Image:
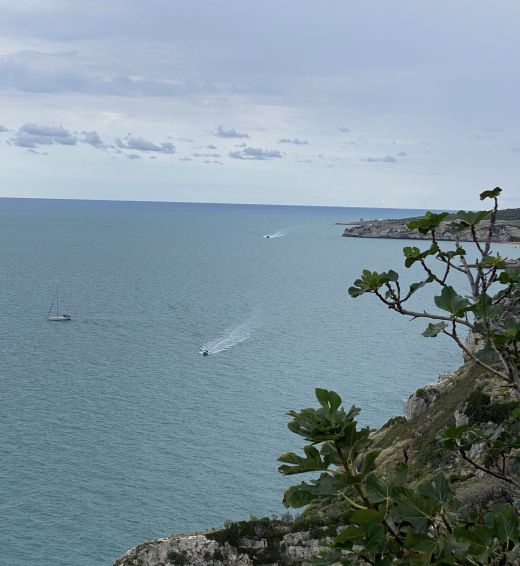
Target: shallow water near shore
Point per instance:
(115, 429)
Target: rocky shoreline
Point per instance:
(505, 231)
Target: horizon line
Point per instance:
(213, 203)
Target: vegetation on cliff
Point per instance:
(412, 514)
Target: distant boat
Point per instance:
(205, 352)
(57, 317)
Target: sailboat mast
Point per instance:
(57, 299)
(52, 304)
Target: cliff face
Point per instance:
(505, 231)
(259, 541)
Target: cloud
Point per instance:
(256, 153)
(402, 154)
(221, 132)
(295, 141)
(516, 148)
(185, 159)
(33, 136)
(3, 129)
(206, 155)
(140, 144)
(133, 156)
(344, 130)
(385, 159)
(91, 138)
(211, 146)
(327, 157)
(213, 162)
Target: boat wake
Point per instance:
(277, 234)
(235, 336)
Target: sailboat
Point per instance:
(57, 316)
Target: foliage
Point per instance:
(480, 409)
(481, 312)
(389, 521)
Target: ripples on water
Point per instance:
(114, 428)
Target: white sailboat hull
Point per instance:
(60, 318)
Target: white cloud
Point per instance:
(385, 159)
(294, 141)
(229, 133)
(141, 144)
(91, 138)
(33, 135)
(256, 153)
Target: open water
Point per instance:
(114, 429)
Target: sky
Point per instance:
(402, 103)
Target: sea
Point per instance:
(114, 429)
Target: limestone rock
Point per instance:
(425, 397)
(199, 550)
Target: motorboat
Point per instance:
(205, 352)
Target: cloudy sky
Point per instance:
(399, 103)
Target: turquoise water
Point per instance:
(114, 428)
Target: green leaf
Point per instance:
(377, 490)
(467, 219)
(433, 330)
(371, 282)
(479, 539)
(493, 261)
(368, 464)
(428, 223)
(491, 193)
(352, 533)
(485, 309)
(329, 422)
(505, 523)
(421, 543)
(510, 277)
(365, 516)
(297, 464)
(438, 489)
(323, 488)
(416, 286)
(413, 254)
(450, 301)
(413, 509)
(375, 537)
(329, 400)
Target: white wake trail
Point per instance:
(234, 336)
(278, 234)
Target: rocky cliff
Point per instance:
(258, 541)
(505, 231)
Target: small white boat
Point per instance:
(57, 317)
